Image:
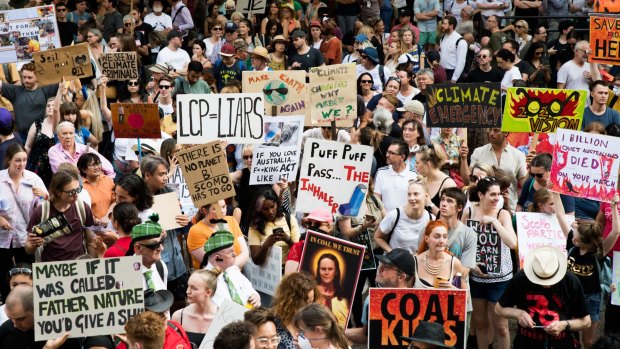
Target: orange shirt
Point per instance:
(101, 195)
(200, 232)
(332, 49)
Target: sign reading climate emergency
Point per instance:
(465, 105)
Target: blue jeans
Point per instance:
(386, 15)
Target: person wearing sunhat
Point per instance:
(547, 302)
(427, 335)
(369, 63)
(303, 57)
(260, 58)
(278, 58)
(147, 243)
(231, 283)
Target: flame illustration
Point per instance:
(546, 96)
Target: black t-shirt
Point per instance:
(312, 58)
(10, 337)
(477, 75)
(525, 67)
(583, 267)
(562, 301)
(67, 31)
(146, 30)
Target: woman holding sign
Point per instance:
(489, 279)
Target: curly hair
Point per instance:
(236, 335)
(292, 295)
(147, 328)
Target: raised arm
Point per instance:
(611, 239)
(560, 214)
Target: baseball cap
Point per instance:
(230, 26)
(6, 119)
(361, 37)
(174, 34)
(315, 23)
(227, 50)
(415, 107)
(404, 12)
(401, 259)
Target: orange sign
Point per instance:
(136, 120)
(605, 39)
(607, 6)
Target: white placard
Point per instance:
(228, 312)
(539, 229)
(265, 278)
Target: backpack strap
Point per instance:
(160, 269)
(395, 222)
(81, 211)
(45, 210)
(287, 216)
(382, 74)
(179, 11)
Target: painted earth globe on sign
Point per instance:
(275, 92)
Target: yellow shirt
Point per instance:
(200, 232)
(256, 239)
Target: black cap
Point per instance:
(401, 259)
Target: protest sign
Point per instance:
(615, 279)
(266, 277)
(251, 7)
(206, 172)
(543, 109)
(89, 297)
(119, 65)
(136, 120)
(332, 93)
(235, 117)
(464, 105)
(345, 257)
(26, 31)
(605, 39)
(278, 157)
(284, 91)
(167, 207)
(538, 229)
(369, 262)
(334, 176)
(607, 6)
(396, 312)
(228, 312)
(585, 165)
(177, 183)
(70, 63)
(489, 247)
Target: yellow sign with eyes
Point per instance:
(543, 110)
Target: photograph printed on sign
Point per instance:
(26, 31)
(278, 157)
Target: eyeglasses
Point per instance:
(127, 24)
(153, 246)
(164, 87)
(537, 175)
(584, 51)
(61, 9)
(366, 81)
(247, 157)
(20, 271)
(73, 192)
(537, 53)
(265, 342)
(389, 152)
(280, 90)
(482, 56)
(217, 29)
(94, 165)
(473, 178)
(132, 83)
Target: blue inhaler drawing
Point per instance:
(352, 208)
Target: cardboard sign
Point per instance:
(489, 247)
(25, 31)
(136, 120)
(251, 7)
(206, 173)
(119, 65)
(266, 277)
(538, 229)
(278, 157)
(332, 93)
(284, 91)
(396, 312)
(465, 105)
(585, 165)
(228, 312)
(605, 39)
(335, 176)
(615, 278)
(71, 62)
(346, 257)
(177, 183)
(89, 297)
(607, 6)
(235, 117)
(543, 110)
(167, 207)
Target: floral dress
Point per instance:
(38, 160)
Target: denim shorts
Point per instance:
(593, 303)
(491, 292)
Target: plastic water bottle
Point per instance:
(456, 281)
(38, 200)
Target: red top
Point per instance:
(119, 249)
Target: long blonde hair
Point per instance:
(91, 105)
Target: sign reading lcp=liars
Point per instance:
(465, 105)
(332, 92)
(206, 173)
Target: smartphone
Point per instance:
(278, 230)
(440, 282)
(541, 327)
(545, 60)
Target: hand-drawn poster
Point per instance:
(136, 120)
(605, 39)
(336, 263)
(26, 31)
(396, 312)
(543, 110)
(464, 105)
(606, 6)
(119, 65)
(539, 229)
(332, 93)
(335, 176)
(285, 90)
(70, 63)
(585, 165)
(266, 277)
(227, 313)
(89, 297)
(278, 157)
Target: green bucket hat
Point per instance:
(220, 240)
(147, 230)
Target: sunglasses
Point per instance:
(132, 83)
(61, 9)
(537, 175)
(73, 192)
(153, 246)
(538, 53)
(280, 90)
(482, 56)
(20, 271)
(127, 24)
(393, 78)
(366, 81)
(217, 29)
(164, 87)
(247, 157)
(473, 178)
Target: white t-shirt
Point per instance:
(393, 186)
(407, 231)
(509, 76)
(209, 47)
(375, 75)
(159, 23)
(177, 59)
(343, 136)
(571, 75)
